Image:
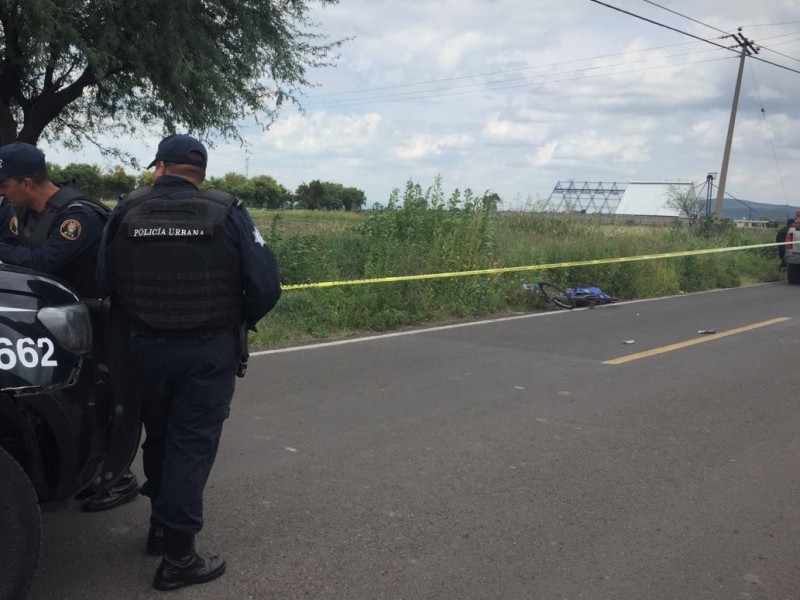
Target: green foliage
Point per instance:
(55, 172)
(73, 69)
(687, 202)
(267, 193)
(430, 232)
(328, 196)
(232, 181)
(109, 184)
(144, 178)
(427, 231)
(260, 191)
(117, 182)
(312, 196)
(709, 227)
(87, 177)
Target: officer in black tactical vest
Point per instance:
(191, 270)
(58, 232)
(59, 228)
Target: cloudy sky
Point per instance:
(514, 95)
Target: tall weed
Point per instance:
(422, 231)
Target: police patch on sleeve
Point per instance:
(70, 229)
(13, 225)
(258, 239)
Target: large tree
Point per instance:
(329, 196)
(70, 69)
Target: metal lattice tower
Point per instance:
(588, 197)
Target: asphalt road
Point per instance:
(500, 460)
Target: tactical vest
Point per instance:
(34, 228)
(172, 265)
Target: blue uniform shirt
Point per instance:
(77, 228)
(8, 222)
(259, 269)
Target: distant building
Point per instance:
(646, 202)
(759, 223)
(586, 197)
(638, 200)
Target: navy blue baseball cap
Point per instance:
(19, 159)
(175, 148)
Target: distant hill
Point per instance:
(731, 209)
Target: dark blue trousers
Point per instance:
(186, 386)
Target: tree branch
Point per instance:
(46, 107)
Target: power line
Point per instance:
(675, 12)
(775, 37)
(773, 24)
(428, 94)
(691, 35)
(720, 30)
(779, 53)
(543, 80)
(492, 73)
(774, 64)
(664, 25)
(324, 97)
(769, 134)
(781, 44)
(327, 100)
(328, 97)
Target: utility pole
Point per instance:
(747, 48)
(709, 191)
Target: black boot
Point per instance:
(125, 490)
(155, 539)
(182, 566)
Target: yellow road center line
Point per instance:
(677, 346)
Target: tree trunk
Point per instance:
(45, 108)
(8, 126)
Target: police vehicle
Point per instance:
(61, 430)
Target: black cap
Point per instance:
(19, 159)
(176, 148)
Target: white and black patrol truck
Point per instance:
(61, 430)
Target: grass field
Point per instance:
(289, 222)
(428, 233)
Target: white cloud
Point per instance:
(544, 154)
(454, 49)
(323, 132)
(422, 146)
(515, 131)
(514, 95)
(594, 145)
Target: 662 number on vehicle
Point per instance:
(27, 352)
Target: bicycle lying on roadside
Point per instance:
(574, 297)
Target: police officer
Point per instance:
(58, 231)
(59, 228)
(780, 238)
(191, 270)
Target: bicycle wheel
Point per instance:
(593, 300)
(556, 295)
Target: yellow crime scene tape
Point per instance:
(495, 271)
